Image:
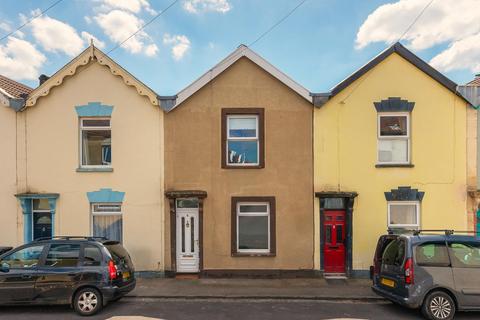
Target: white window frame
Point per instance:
(252, 214)
(39, 211)
(389, 138)
(104, 213)
(82, 128)
(256, 138)
(404, 203)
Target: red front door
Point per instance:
(334, 241)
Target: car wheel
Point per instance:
(439, 306)
(87, 301)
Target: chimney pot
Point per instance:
(43, 78)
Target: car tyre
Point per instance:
(87, 301)
(439, 305)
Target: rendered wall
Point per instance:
(52, 157)
(346, 150)
(193, 161)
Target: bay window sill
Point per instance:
(253, 254)
(394, 165)
(99, 169)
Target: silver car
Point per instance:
(438, 273)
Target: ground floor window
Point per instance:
(253, 221)
(404, 214)
(107, 221)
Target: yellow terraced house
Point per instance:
(390, 153)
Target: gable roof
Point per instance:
(321, 98)
(240, 52)
(92, 53)
(13, 88)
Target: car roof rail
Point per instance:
(447, 232)
(90, 238)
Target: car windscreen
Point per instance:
(119, 254)
(394, 253)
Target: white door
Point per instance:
(187, 240)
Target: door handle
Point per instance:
(26, 276)
(72, 274)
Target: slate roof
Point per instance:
(14, 88)
(320, 98)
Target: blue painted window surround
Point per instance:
(106, 210)
(95, 146)
(26, 202)
(94, 109)
(105, 195)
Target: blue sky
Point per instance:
(318, 46)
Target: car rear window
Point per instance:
(92, 256)
(118, 252)
(394, 253)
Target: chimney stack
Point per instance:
(43, 78)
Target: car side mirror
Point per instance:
(5, 267)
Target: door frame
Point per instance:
(172, 199)
(348, 198)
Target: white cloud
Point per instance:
(198, 6)
(5, 27)
(88, 20)
(20, 60)
(118, 25)
(134, 6)
(446, 21)
(88, 36)
(462, 54)
(151, 50)
(180, 45)
(56, 36)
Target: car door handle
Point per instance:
(26, 276)
(72, 274)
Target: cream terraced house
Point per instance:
(90, 159)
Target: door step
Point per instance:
(334, 276)
(187, 276)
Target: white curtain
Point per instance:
(109, 226)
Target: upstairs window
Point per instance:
(394, 138)
(242, 142)
(95, 142)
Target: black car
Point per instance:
(84, 272)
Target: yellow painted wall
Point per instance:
(8, 202)
(193, 162)
(52, 157)
(345, 153)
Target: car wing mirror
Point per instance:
(4, 267)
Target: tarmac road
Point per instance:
(198, 309)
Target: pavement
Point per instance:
(298, 289)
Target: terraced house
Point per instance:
(390, 153)
(90, 158)
(242, 173)
(239, 172)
